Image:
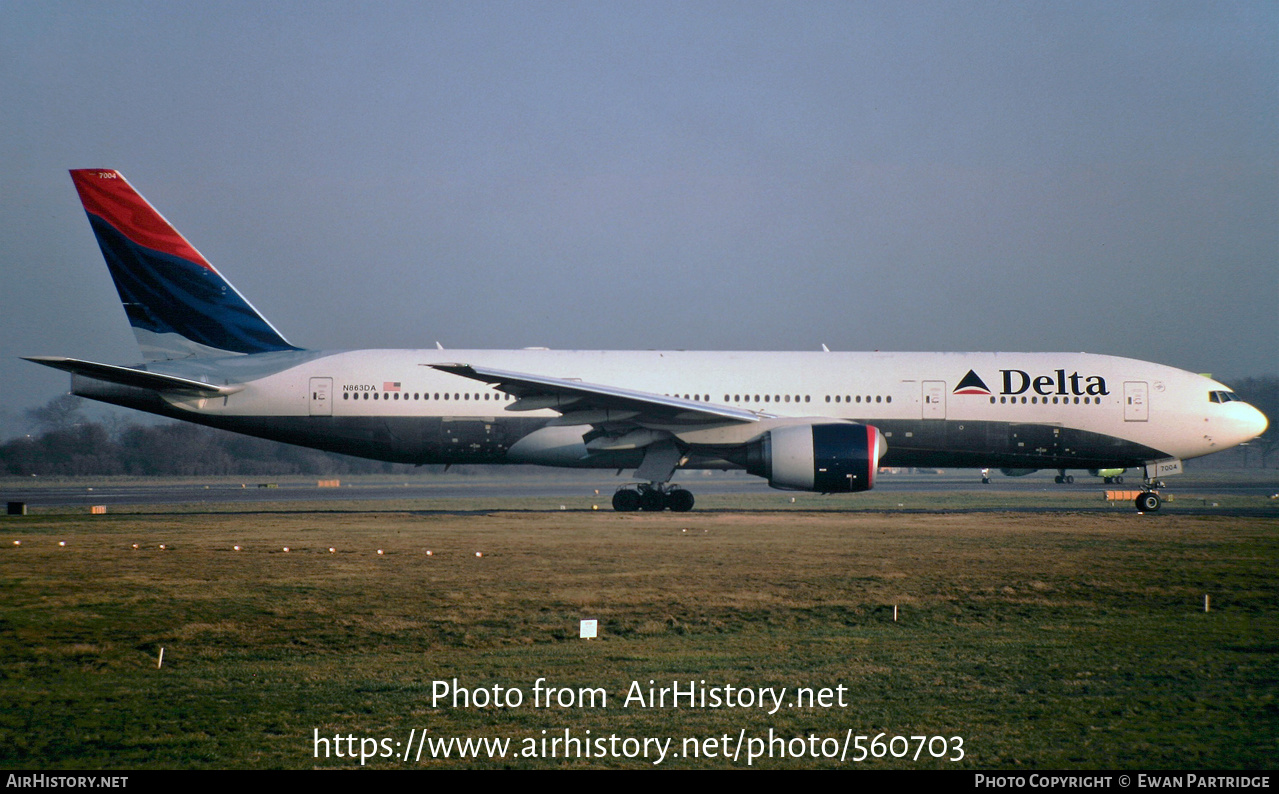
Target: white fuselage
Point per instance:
(1044, 409)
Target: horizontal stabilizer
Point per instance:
(128, 376)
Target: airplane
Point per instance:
(816, 421)
(1109, 476)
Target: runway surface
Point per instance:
(1191, 489)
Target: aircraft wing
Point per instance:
(592, 403)
(129, 376)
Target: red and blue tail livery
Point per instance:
(178, 304)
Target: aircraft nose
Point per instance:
(1255, 423)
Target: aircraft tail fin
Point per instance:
(178, 304)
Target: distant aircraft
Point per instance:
(811, 421)
(1109, 476)
(1113, 475)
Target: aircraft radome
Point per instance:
(809, 421)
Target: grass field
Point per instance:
(1043, 640)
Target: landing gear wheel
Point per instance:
(1070, 479)
(1148, 502)
(679, 500)
(626, 500)
(652, 500)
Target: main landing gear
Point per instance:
(1063, 478)
(657, 494)
(652, 497)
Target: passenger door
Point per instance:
(933, 400)
(1136, 405)
(321, 402)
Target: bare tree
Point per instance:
(60, 413)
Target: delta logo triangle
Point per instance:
(971, 384)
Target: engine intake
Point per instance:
(837, 457)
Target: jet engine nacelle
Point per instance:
(834, 457)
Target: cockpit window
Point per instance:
(1223, 396)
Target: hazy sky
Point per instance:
(868, 175)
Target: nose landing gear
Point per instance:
(1148, 502)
